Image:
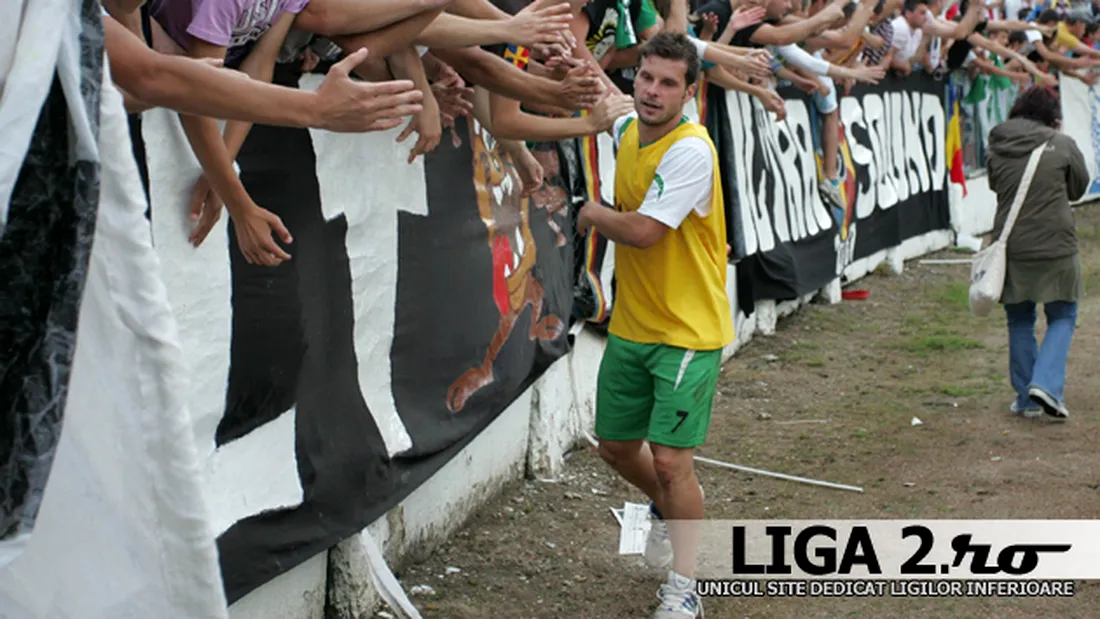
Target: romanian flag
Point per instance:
(953, 148)
(517, 55)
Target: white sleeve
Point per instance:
(901, 38)
(683, 182)
(700, 46)
(803, 59)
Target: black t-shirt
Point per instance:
(960, 49)
(741, 38)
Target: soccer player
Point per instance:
(672, 316)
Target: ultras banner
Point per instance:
(420, 301)
(891, 167)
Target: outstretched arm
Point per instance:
(194, 87)
(336, 17)
(978, 40)
(578, 91)
(800, 30)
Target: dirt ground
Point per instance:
(866, 368)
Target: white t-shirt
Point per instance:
(682, 182)
(906, 39)
(1033, 36)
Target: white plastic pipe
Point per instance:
(746, 469)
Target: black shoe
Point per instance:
(1050, 406)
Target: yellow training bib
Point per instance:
(674, 292)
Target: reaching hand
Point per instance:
(846, 86)
(205, 208)
(349, 106)
(744, 17)
(310, 60)
(807, 86)
(254, 229)
(540, 22)
(755, 65)
(428, 125)
(529, 168)
(710, 27)
(833, 12)
(581, 88)
(774, 103)
(610, 109)
(453, 98)
(871, 75)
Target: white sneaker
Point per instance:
(1050, 406)
(678, 599)
(1029, 412)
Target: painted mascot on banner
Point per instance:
(506, 214)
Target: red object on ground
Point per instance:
(853, 295)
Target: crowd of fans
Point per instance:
(536, 71)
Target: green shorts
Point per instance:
(656, 392)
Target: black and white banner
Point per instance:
(419, 302)
(891, 167)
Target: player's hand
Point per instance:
(584, 217)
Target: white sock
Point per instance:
(683, 583)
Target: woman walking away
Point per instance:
(1043, 263)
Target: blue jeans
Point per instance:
(1032, 366)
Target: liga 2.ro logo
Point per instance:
(896, 549)
(814, 558)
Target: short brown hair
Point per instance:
(673, 46)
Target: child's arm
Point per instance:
(254, 224)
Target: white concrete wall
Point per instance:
(535, 431)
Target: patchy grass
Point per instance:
(955, 295)
(941, 342)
